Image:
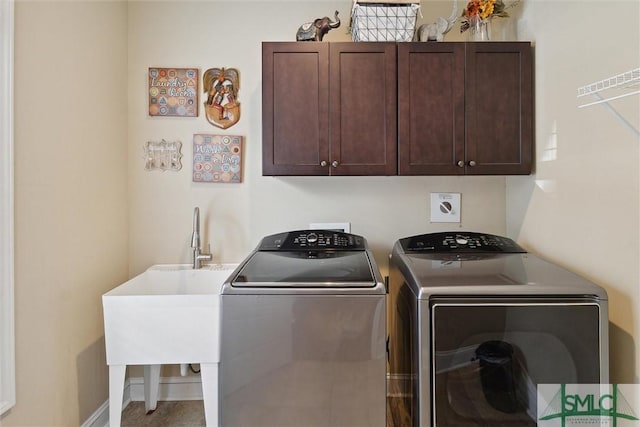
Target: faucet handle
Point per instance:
(206, 256)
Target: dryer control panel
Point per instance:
(305, 240)
(460, 242)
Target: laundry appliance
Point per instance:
(303, 338)
(476, 323)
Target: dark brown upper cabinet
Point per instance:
(465, 108)
(329, 108)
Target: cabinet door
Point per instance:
(431, 108)
(363, 108)
(499, 103)
(295, 108)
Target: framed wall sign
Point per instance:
(217, 158)
(173, 92)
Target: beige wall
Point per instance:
(70, 203)
(581, 208)
(85, 220)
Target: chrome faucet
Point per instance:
(198, 256)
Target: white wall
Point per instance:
(581, 208)
(229, 34)
(235, 217)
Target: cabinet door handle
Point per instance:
(335, 163)
(460, 163)
(323, 163)
(472, 163)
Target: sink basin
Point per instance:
(168, 314)
(205, 267)
(176, 279)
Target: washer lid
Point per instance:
(306, 269)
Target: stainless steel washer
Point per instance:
(304, 334)
(476, 323)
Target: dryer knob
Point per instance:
(462, 240)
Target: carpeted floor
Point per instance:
(190, 413)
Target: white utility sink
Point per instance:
(169, 314)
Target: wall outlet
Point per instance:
(445, 207)
(338, 226)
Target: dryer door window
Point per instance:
(488, 357)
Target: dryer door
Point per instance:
(488, 356)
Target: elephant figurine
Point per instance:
(437, 30)
(315, 31)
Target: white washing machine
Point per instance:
(303, 339)
(476, 323)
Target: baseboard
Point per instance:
(170, 388)
(100, 418)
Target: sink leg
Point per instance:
(116, 390)
(209, 375)
(151, 386)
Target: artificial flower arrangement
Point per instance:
(482, 9)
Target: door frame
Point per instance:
(7, 322)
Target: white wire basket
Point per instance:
(389, 21)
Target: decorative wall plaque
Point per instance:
(222, 107)
(217, 158)
(163, 155)
(173, 92)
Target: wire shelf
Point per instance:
(622, 81)
(630, 78)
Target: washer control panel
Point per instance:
(312, 240)
(460, 242)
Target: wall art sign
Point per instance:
(217, 158)
(173, 92)
(163, 155)
(221, 86)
